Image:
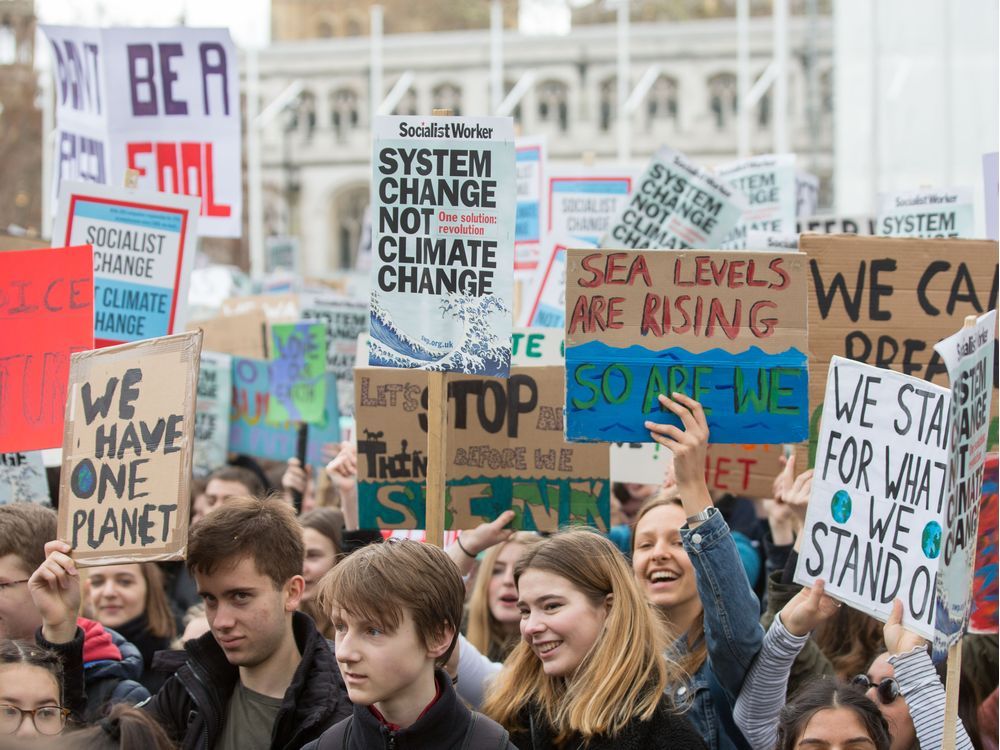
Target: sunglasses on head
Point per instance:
(887, 690)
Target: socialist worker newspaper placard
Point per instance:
(144, 245)
(444, 213)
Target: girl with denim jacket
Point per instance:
(685, 561)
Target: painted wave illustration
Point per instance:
(478, 350)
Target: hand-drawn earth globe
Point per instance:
(840, 506)
(930, 540)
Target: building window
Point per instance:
(826, 93)
(324, 30)
(8, 42)
(407, 106)
(722, 99)
(307, 113)
(553, 104)
(661, 102)
(447, 96)
(608, 104)
(343, 111)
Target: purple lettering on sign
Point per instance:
(141, 81)
(80, 159)
(216, 66)
(171, 106)
(77, 73)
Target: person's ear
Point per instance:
(293, 590)
(608, 601)
(441, 642)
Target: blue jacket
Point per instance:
(733, 634)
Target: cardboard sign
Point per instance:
(546, 292)
(675, 204)
(926, 213)
(726, 328)
(985, 587)
(743, 470)
(969, 357)
(873, 530)
(444, 204)
(240, 335)
(991, 193)
(276, 308)
(144, 247)
(505, 451)
(888, 301)
(164, 102)
(344, 320)
(249, 432)
(211, 419)
(530, 156)
(22, 478)
(124, 495)
(46, 314)
(583, 202)
(297, 373)
(769, 185)
(537, 346)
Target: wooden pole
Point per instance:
(437, 443)
(954, 660)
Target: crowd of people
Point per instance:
(680, 628)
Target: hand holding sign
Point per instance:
(899, 640)
(808, 609)
(55, 590)
(689, 445)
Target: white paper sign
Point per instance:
(22, 478)
(211, 418)
(864, 225)
(640, 463)
(806, 193)
(165, 102)
(531, 205)
(583, 201)
(968, 355)
(537, 346)
(926, 213)
(769, 186)
(545, 293)
(873, 530)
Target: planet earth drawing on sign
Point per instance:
(930, 540)
(840, 506)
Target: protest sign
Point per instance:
(276, 308)
(241, 335)
(991, 193)
(969, 357)
(124, 494)
(582, 202)
(836, 225)
(505, 451)
(985, 588)
(164, 102)
(444, 214)
(743, 470)
(144, 245)
(806, 193)
(297, 373)
(726, 328)
(769, 185)
(771, 241)
(22, 478)
(873, 529)
(46, 314)
(344, 319)
(211, 419)
(281, 254)
(537, 346)
(926, 213)
(530, 204)
(887, 301)
(675, 204)
(545, 294)
(249, 432)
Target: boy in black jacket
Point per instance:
(263, 677)
(396, 608)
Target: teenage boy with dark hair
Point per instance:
(263, 677)
(396, 609)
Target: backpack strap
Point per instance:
(483, 733)
(337, 737)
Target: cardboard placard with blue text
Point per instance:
(969, 357)
(124, 495)
(726, 328)
(505, 450)
(144, 247)
(873, 530)
(444, 194)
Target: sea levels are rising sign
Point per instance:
(726, 328)
(444, 198)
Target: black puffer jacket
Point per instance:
(665, 731)
(192, 704)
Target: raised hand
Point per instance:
(55, 590)
(807, 609)
(899, 640)
(689, 446)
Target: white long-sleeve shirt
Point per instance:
(925, 697)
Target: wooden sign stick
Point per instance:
(954, 659)
(437, 443)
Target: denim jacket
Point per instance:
(733, 633)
